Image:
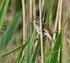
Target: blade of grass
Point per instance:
(22, 46)
(27, 52)
(58, 18)
(48, 12)
(30, 45)
(54, 56)
(9, 32)
(22, 57)
(2, 4)
(3, 12)
(18, 5)
(35, 53)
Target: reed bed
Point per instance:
(42, 25)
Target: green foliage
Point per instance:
(27, 55)
(53, 56)
(3, 11)
(18, 5)
(49, 11)
(30, 51)
(4, 40)
(22, 46)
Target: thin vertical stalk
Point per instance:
(41, 33)
(43, 1)
(30, 16)
(58, 18)
(60, 14)
(34, 10)
(31, 10)
(24, 23)
(59, 26)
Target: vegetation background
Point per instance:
(34, 31)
